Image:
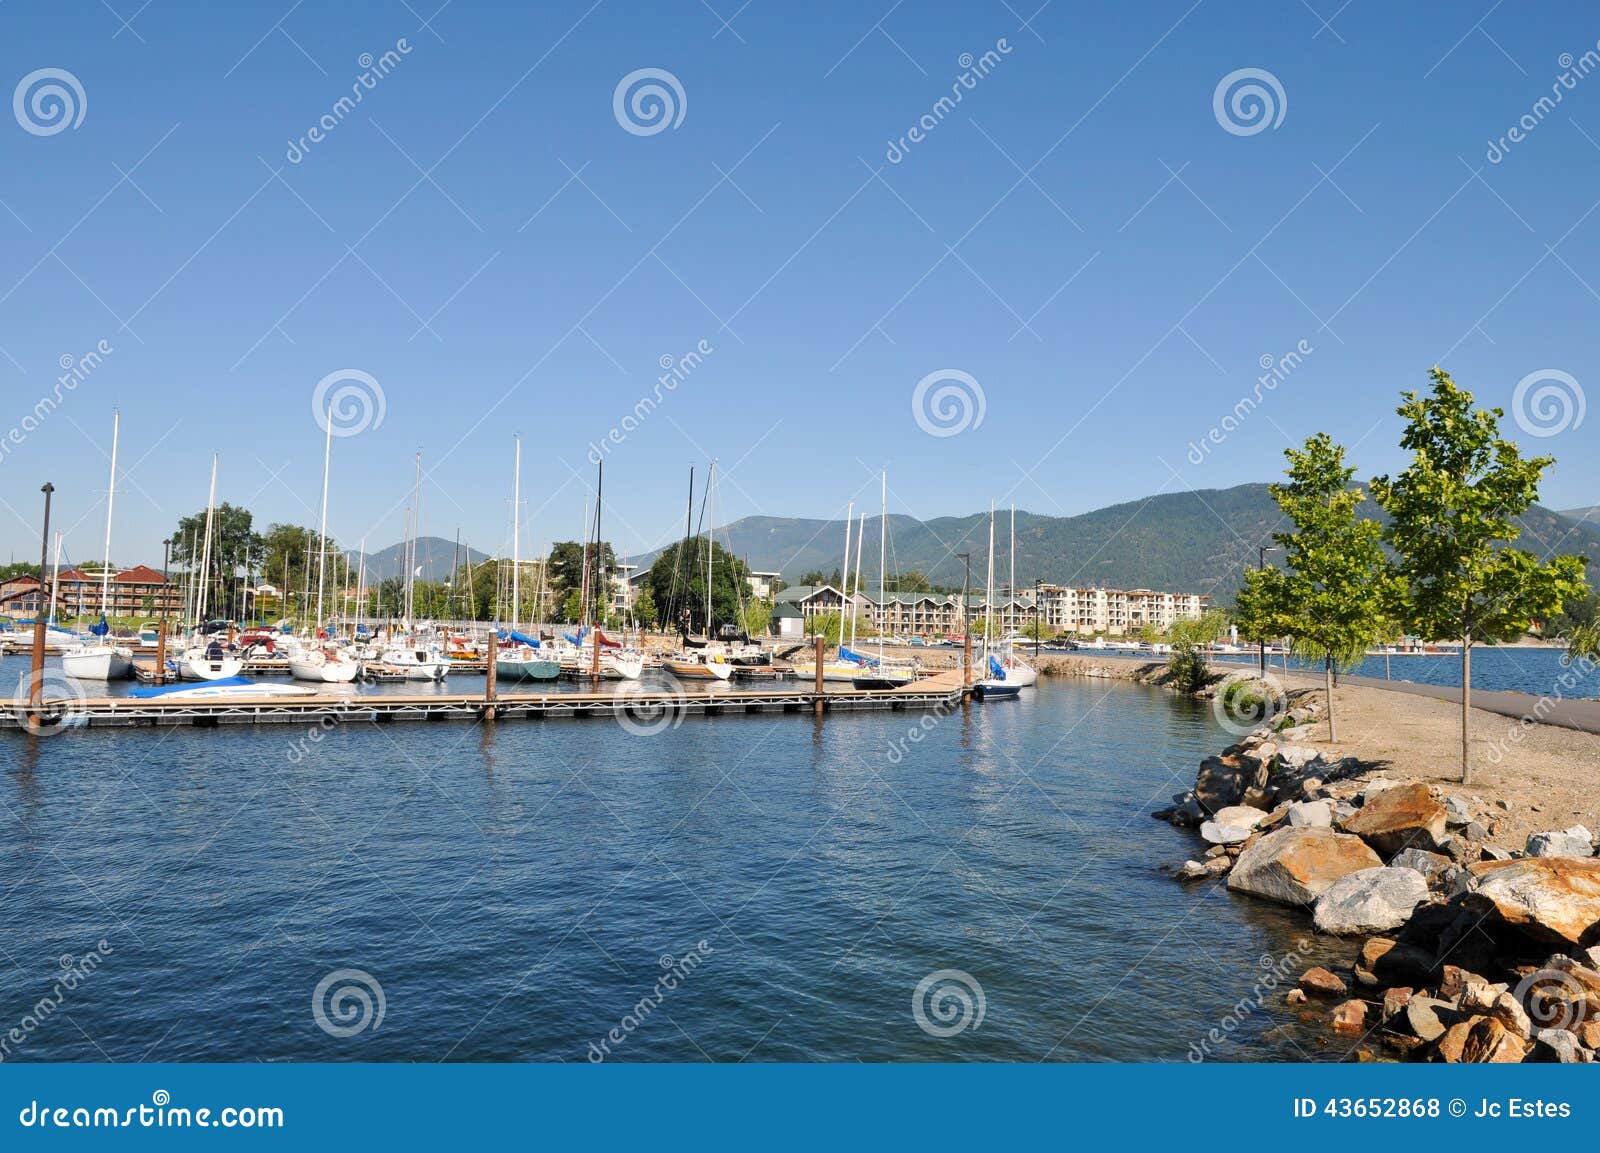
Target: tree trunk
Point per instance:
(1466, 707)
(1327, 675)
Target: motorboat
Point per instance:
(417, 664)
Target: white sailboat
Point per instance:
(100, 660)
(994, 682)
(207, 659)
(1018, 671)
(524, 659)
(881, 674)
(323, 663)
(416, 654)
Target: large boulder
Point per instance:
(1217, 833)
(1548, 898)
(1311, 815)
(1296, 866)
(1401, 817)
(1433, 866)
(1480, 1040)
(1371, 900)
(1245, 815)
(1574, 842)
(1223, 781)
(1385, 961)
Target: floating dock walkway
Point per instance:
(638, 703)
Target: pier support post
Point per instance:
(817, 670)
(36, 681)
(489, 683)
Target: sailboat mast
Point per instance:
(516, 534)
(322, 531)
(844, 576)
(988, 592)
(55, 583)
(111, 500)
(711, 521)
(599, 614)
(861, 539)
(361, 584)
(1011, 585)
(205, 550)
(883, 555)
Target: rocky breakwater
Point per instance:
(1463, 950)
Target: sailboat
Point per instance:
(1017, 671)
(99, 660)
(880, 674)
(415, 655)
(847, 665)
(207, 659)
(701, 660)
(995, 684)
(323, 663)
(524, 658)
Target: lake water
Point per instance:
(1518, 669)
(517, 891)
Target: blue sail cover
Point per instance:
(577, 640)
(524, 640)
(102, 628)
(151, 692)
(854, 657)
(997, 669)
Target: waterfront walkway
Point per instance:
(1579, 713)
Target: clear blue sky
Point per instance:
(1080, 235)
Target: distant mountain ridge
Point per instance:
(435, 558)
(1199, 542)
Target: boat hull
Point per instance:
(97, 663)
(530, 670)
(199, 667)
(322, 671)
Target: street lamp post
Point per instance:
(1261, 565)
(1038, 614)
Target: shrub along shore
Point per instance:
(1472, 914)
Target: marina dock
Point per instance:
(644, 705)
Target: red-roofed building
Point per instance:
(133, 592)
(20, 596)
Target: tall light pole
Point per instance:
(1261, 644)
(1038, 613)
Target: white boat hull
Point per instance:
(317, 668)
(196, 666)
(97, 663)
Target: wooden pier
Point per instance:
(637, 702)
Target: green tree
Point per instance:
(756, 618)
(1451, 521)
(1186, 663)
(566, 565)
(644, 607)
(677, 584)
(235, 547)
(1331, 598)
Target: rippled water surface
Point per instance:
(515, 891)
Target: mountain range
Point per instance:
(1199, 541)
(435, 559)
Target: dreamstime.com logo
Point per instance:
(347, 1002)
(648, 101)
(49, 100)
(645, 710)
(948, 402)
(61, 703)
(1248, 101)
(947, 1002)
(1548, 402)
(1246, 700)
(351, 401)
(1555, 1000)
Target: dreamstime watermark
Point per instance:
(1277, 972)
(1246, 700)
(676, 370)
(1278, 369)
(347, 1002)
(1575, 673)
(1548, 402)
(76, 370)
(301, 747)
(373, 69)
(1249, 100)
(61, 702)
(349, 400)
(74, 972)
(1554, 999)
(973, 69)
(649, 100)
(917, 733)
(647, 709)
(947, 1002)
(49, 100)
(674, 973)
(1572, 71)
(948, 402)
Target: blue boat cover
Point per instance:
(146, 692)
(524, 640)
(854, 657)
(998, 669)
(100, 629)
